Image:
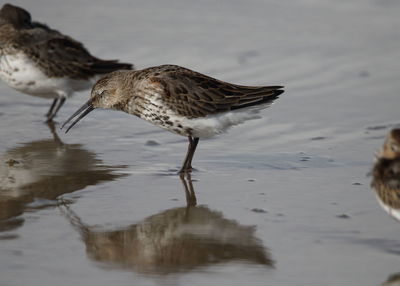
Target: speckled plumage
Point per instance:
(180, 100)
(386, 174)
(40, 61)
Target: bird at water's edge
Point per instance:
(40, 61)
(180, 100)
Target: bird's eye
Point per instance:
(395, 147)
(101, 92)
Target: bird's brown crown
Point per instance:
(19, 18)
(391, 147)
(106, 93)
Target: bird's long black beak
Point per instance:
(85, 109)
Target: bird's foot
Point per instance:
(49, 117)
(185, 170)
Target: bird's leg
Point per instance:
(75, 221)
(195, 141)
(57, 139)
(183, 168)
(52, 107)
(186, 179)
(51, 116)
(187, 163)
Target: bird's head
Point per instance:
(17, 17)
(106, 93)
(391, 146)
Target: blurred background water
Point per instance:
(289, 193)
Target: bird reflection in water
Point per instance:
(386, 175)
(36, 173)
(176, 240)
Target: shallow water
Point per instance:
(282, 200)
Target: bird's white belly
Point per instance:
(203, 127)
(219, 123)
(22, 74)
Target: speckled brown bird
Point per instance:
(40, 61)
(180, 100)
(386, 174)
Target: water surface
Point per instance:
(284, 200)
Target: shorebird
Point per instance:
(180, 100)
(386, 174)
(40, 61)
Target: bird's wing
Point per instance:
(193, 94)
(62, 56)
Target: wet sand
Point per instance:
(282, 200)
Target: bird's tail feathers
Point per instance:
(107, 66)
(259, 97)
